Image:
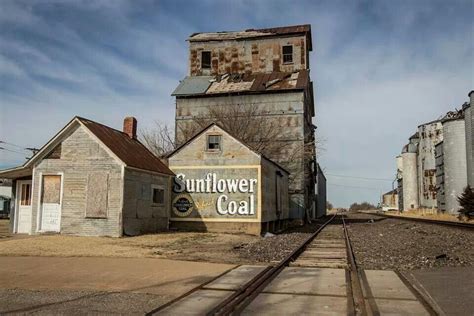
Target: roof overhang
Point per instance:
(15, 173)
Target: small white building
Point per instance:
(91, 180)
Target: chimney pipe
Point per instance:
(130, 127)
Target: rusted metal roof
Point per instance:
(248, 83)
(132, 152)
(304, 29)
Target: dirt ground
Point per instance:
(80, 286)
(190, 246)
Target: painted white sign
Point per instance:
(211, 184)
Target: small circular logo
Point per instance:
(182, 205)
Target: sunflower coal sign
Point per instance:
(220, 193)
(223, 185)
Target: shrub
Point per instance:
(466, 201)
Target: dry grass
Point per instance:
(427, 213)
(210, 247)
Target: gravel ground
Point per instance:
(276, 247)
(273, 248)
(75, 302)
(388, 244)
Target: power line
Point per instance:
(364, 178)
(13, 151)
(14, 145)
(32, 149)
(353, 186)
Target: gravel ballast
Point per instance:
(388, 244)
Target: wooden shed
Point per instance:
(91, 180)
(224, 185)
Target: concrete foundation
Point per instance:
(251, 228)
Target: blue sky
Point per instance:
(380, 68)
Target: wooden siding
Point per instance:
(140, 215)
(82, 156)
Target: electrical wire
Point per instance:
(353, 186)
(13, 151)
(364, 178)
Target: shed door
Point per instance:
(51, 203)
(24, 207)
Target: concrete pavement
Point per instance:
(46, 284)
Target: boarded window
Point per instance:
(158, 194)
(287, 54)
(213, 142)
(206, 60)
(25, 194)
(97, 194)
(51, 191)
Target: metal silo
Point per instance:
(430, 134)
(469, 122)
(454, 160)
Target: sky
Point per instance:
(380, 69)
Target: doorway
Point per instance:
(50, 203)
(23, 205)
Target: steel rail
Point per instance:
(245, 295)
(355, 283)
(426, 220)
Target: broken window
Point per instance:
(287, 54)
(158, 194)
(55, 153)
(213, 142)
(206, 60)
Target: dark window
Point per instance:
(206, 60)
(25, 194)
(213, 142)
(158, 195)
(55, 153)
(287, 54)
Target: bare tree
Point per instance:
(248, 123)
(159, 139)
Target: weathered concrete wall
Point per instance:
(274, 187)
(321, 197)
(430, 135)
(469, 123)
(248, 56)
(410, 181)
(454, 157)
(140, 214)
(390, 200)
(287, 112)
(82, 156)
(439, 160)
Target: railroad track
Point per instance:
(426, 220)
(328, 249)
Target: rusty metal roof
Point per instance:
(131, 151)
(304, 29)
(247, 83)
